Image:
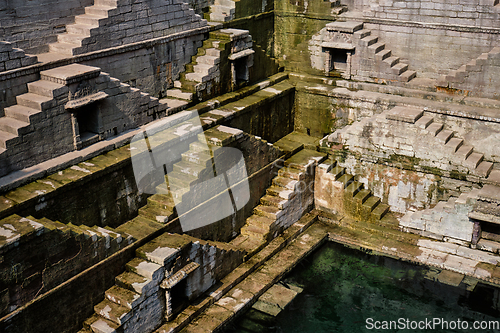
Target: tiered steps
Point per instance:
(283, 204)
(70, 43)
(222, 11)
(137, 290)
(420, 126)
(389, 66)
(474, 66)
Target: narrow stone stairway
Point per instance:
(408, 131)
(389, 66)
(79, 34)
(473, 67)
(222, 10)
(285, 201)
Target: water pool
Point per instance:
(347, 290)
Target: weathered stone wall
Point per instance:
(12, 58)
(32, 25)
(54, 131)
(42, 261)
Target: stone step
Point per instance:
(252, 230)
(281, 192)
(360, 34)
(208, 60)
(353, 188)
(338, 171)
(346, 179)
(201, 147)
(80, 29)
(484, 169)
(114, 312)
(157, 214)
(259, 220)
(303, 159)
(270, 212)
(64, 48)
(139, 227)
(92, 20)
(290, 184)
(380, 211)
(383, 55)
(200, 158)
(14, 126)
(362, 196)
(99, 10)
(474, 160)
(179, 94)
(399, 68)
(444, 136)
(434, 128)
(146, 269)
(371, 203)
(101, 325)
(8, 140)
(69, 38)
(35, 101)
(47, 88)
(110, 3)
(454, 144)
(124, 297)
(405, 114)
(368, 40)
(377, 47)
(213, 52)
(292, 173)
(163, 201)
(270, 200)
(424, 121)
(205, 69)
(190, 169)
(408, 76)
(136, 283)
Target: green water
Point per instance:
(343, 288)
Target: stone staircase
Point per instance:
(472, 73)
(383, 62)
(48, 253)
(446, 220)
(48, 95)
(111, 23)
(285, 201)
(222, 10)
(201, 78)
(12, 58)
(136, 302)
(15, 230)
(80, 33)
(409, 132)
(345, 195)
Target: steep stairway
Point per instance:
(202, 79)
(135, 302)
(111, 23)
(29, 114)
(471, 73)
(382, 61)
(78, 34)
(408, 131)
(285, 201)
(222, 10)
